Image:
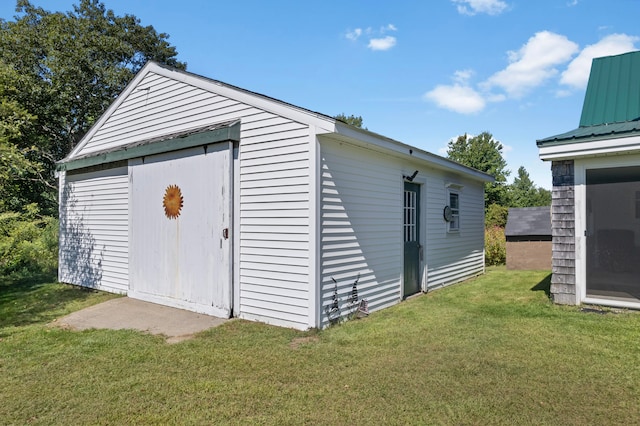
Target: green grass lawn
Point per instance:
(493, 350)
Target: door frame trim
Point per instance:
(580, 210)
(422, 268)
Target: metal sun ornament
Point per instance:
(172, 201)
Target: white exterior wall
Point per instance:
(273, 180)
(274, 224)
(94, 230)
(361, 226)
(454, 256)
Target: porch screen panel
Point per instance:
(613, 233)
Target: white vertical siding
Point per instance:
(361, 226)
(94, 229)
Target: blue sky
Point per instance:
(421, 72)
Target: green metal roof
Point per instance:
(594, 133)
(611, 106)
(613, 92)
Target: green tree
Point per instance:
(496, 215)
(483, 153)
(523, 192)
(69, 67)
(352, 120)
(20, 178)
(543, 197)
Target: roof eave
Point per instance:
(382, 142)
(590, 147)
(221, 132)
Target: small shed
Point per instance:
(197, 194)
(528, 238)
(595, 210)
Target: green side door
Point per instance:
(411, 236)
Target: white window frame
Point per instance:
(454, 224)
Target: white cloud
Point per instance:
(377, 38)
(463, 76)
(577, 73)
(354, 35)
(540, 59)
(533, 64)
(571, 3)
(384, 43)
(457, 97)
(472, 7)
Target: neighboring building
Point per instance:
(595, 211)
(528, 235)
(196, 194)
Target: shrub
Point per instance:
(496, 215)
(495, 246)
(28, 242)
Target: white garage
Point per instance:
(197, 194)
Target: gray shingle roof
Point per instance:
(528, 221)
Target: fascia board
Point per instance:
(407, 151)
(592, 148)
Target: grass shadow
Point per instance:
(26, 300)
(544, 285)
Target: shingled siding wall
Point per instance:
(563, 280)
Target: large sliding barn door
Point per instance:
(180, 229)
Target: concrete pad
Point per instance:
(126, 313)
